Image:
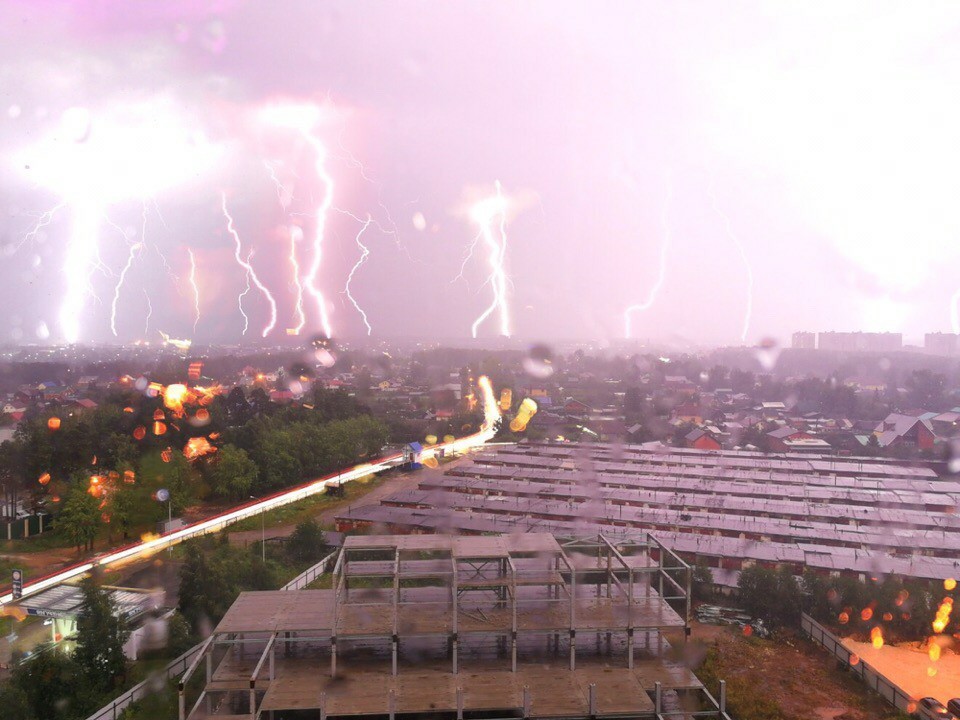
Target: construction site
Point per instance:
(506, 626)
(853, 516)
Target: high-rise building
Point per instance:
(860, 341)
(804, 341)
(941, 343)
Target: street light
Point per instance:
(263, 535)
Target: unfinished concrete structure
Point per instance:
(442, 626)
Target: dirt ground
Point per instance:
(907, 666)
(801, 678)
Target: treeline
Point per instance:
(904, 608)
(131, 455)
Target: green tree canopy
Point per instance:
(101, 633)
(80, 518)
(234, 473)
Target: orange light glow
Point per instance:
(129, 477)
(128, 409)
(44, 479)
(866, 613)
(854, 659)
(174, 396)
(53, 423)
(876, 637)
(166, 455)
(140, 432)
(844, 618)
(158, 414)
(197, 447)
(943, 615)
(159, 428)
(949, 584)
(887, 617)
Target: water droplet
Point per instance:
(767, 352)
(539, 362)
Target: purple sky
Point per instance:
(806, 152)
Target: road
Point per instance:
(253, 508)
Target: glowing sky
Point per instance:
(809, 152)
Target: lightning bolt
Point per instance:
(284, 196)
(467, 257)
(131, 256)
(365, 253)
(483, 214)
(43, 220)
(296, 235)
(748, 312)
(134, 251)
(82, 258)
(251, 273)
(146, 326)
(196, 290)
(310, 280)
(661, 267)
(246, 320)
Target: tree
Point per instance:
(260, 403)
(101, 633)
(121, 510)
(234, 473)
(180, 637)
(205, 591)
(771, 595)
(49, 682)
(306, 542)
(238, 409)
(177, 478)
(702, 581)
(80, 518)
(14, 702)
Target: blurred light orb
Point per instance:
(419, 221)
(538, 362)
(14, 111)
(325, 358)
(163, 494)
(767, 352)
(75, 123)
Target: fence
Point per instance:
(180, 665)
(310, 574)
(877, 682)
(147, 687)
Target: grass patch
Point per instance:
(309, 507)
